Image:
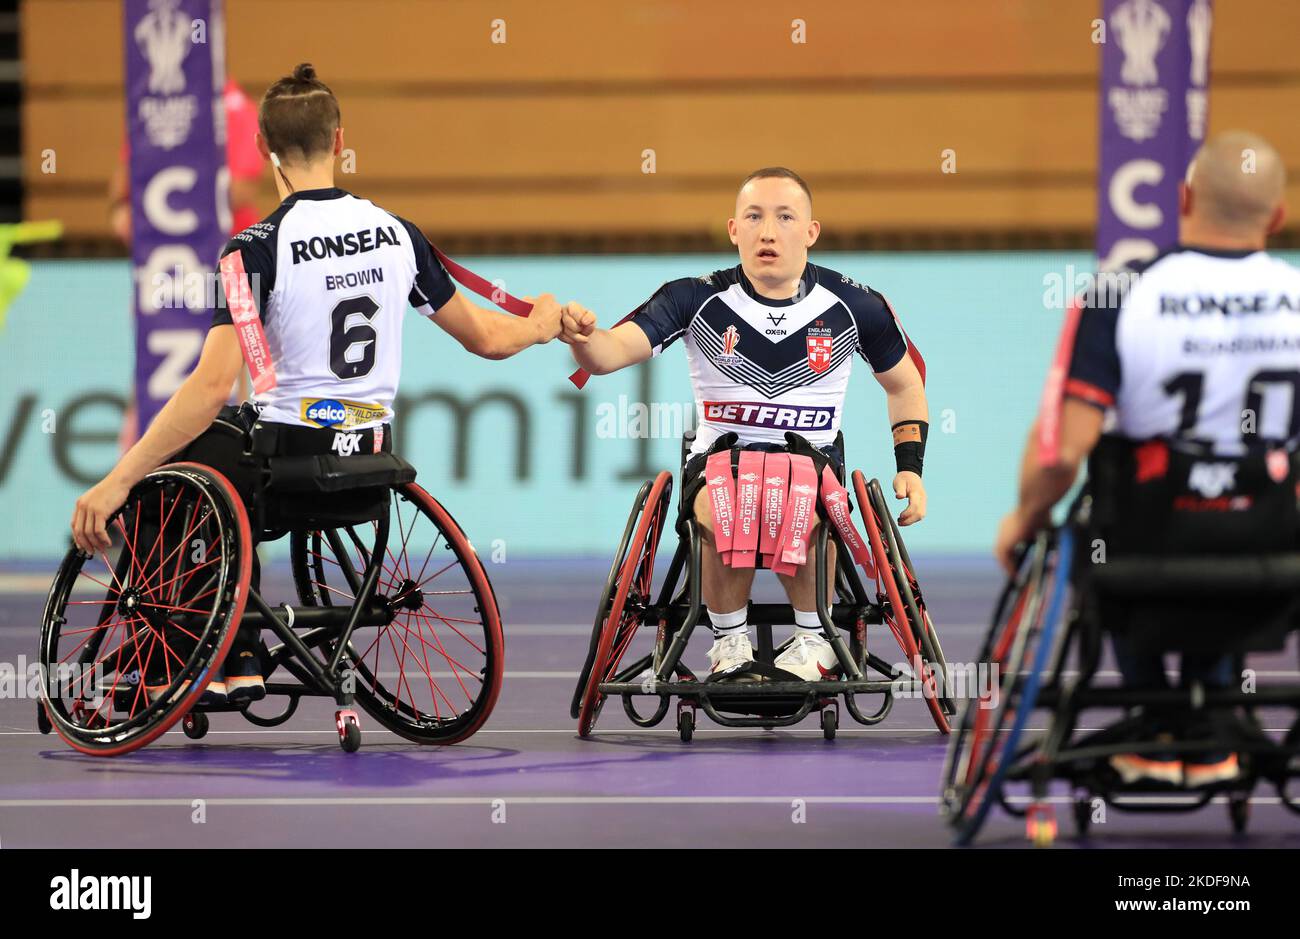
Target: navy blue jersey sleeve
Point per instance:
(1094, 374)
(880, 339)
(247, 268)
(433, 286)
(666, 315)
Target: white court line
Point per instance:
(614, 732)
(291, 801)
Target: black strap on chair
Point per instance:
(328, 473)
(1198, 577)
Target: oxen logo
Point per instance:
(819, 353)
(1212, 479)
(1142, 27)
(164, 38)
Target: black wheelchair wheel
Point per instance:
(987, 742)
(120, 669)
(622, 607)
(433, 674)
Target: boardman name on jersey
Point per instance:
(1229, 305)
(342, 246)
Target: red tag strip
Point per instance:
(248, 324)
(799, 509)
(835, 499)
(776, 482)
(483, 287)
(749, 488)
(722, 499)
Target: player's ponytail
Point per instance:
(298, 116)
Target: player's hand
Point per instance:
(90, 517)
(1015, 529)
(579, 323)
(907, 485)
(546, 316)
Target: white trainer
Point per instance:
(730, 652)
(809, 657)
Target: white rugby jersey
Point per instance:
(761, 367)
(331, 276)
(1203, 345)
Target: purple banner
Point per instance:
(180, 209)
(1155, 64)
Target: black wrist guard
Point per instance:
(909, 445)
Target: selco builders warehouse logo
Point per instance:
(329, 412)
(90, 892)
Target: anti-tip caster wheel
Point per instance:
(830, 722)
(1239, 812)
(349, 728)
(1040, 825)
(686, 724)
(43, 720)
(195, 725)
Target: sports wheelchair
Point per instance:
(1151, 559)
(771, 698)
(393, 611)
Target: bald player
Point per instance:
(1204, 325)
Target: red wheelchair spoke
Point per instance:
(467, 639)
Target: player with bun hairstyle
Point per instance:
(318, 290)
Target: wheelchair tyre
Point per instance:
(686, 724)
(904, 619)
(167, 612)
(910, 588)
(830, 723)
(445, 645)
(987, 743)
(195, 724)
(627, 594)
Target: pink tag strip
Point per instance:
(722, 499)
(248, 324)
(835, 499)
(799, 508)
(379, 438)
(776, 483)
(749, 488)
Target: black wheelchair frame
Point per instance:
(314, 637)
(628, 602)
(988, 755)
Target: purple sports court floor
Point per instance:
(627, 787)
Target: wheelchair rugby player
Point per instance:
(1180, 392)
(770, 345)
(312, 300)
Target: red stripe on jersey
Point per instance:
(248, 325)
(1077, 388)
(912, 350)
(1049, 411)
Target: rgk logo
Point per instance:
(1212, 479)
(346, 444)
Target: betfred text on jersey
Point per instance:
(342, 246)
(755, 414)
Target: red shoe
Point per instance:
(1133, 768)
(1206, 774)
